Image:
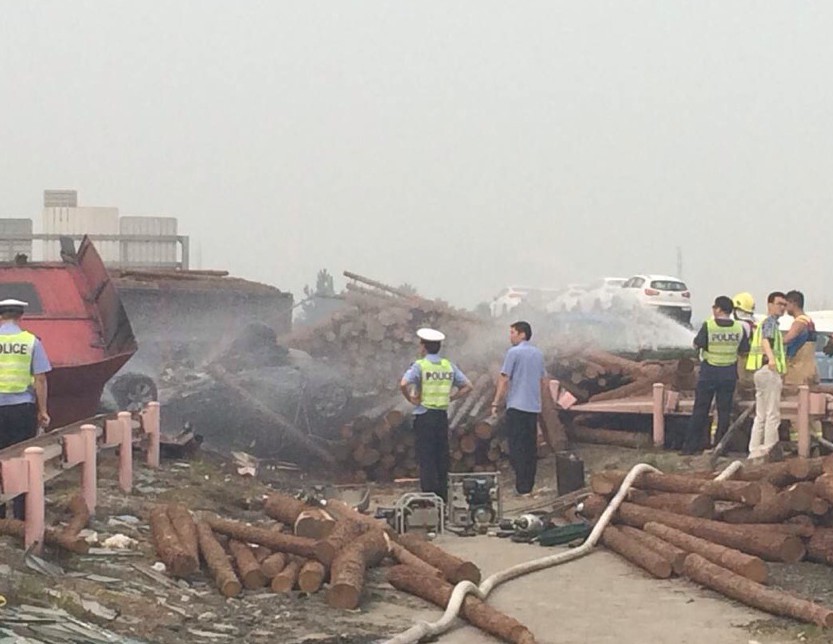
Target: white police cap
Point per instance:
(12, 303)
(430, 335)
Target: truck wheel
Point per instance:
(132, 391)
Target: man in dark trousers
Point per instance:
(720, 339)
(431, 383)
(522, 379)
(23, 368)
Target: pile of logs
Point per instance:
(721, 533)
(65, 538)
(311, 547)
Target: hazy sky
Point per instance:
(460, 146)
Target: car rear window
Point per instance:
(24, 291)
(668, 285)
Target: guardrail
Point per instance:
(25, 467)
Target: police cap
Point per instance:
(430, 335)
(11, 305)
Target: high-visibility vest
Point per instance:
(437, 380)
(16, 362)
(723, 343)
(756, 351)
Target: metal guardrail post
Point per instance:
(35, 510)
(126, 452)
(89, 473)
(659, 414)
(150, 423)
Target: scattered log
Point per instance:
(405, 557)
(750, 567)
(284, 508)
(311, 576)
(173, 554)
(273, 564)
(80, 517)
(806, 469)
(671, 553)
(286, 579)
(345, 532)
(773, 509)
(185, 528)
(217, 561)
(753, 594)
(454, 569)
(824, 486)
(348, 569)
(247, 565)
(776, 473)
(637, 552)
(51, 537)
(606, 483)
(476, 612)
(820, 546)
(260, 553)
(314, 523)
(272, 539)
(341, 510)
(695, 505)
(617, 437)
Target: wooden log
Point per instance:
(473, 610)
(770, 541)
(272, 539)
(806, 469)
(750, 567)
(348, 569)
(314, 523)
(695, 505)
(217, 561)
(407, 558)
(260, 553)
(284, 508)
(168, 546)
(79, 519)
(607, 482)
(636, 552)
(819, 506)
(552, 429)
(341, 510)
(273, 564)
(311, 576)
(185, 528)
(638, 387)
(51, 537)
(453, 568)
(286, 579)
(774, 509)
(753, 594)
(820, 546)
(247, 566)
(468, 443)
(616, 437)
(484, 429)
(776, 473)
(671, 553)
(824, 486)
(345, 532)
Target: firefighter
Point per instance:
(430, 384)
(800, 344)
(744, 312)
(23, 392)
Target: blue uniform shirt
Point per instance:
(524, 365)
(414, 377)
(40, 364)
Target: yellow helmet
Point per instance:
(744, 302)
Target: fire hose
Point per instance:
(423, 629)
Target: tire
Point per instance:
(132, 391)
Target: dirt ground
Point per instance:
(599, 598)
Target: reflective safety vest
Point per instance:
(437, 380)
(16, 362)
(723, 343)
(756, 351)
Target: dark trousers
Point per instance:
(522, 432)
(17, 423)
(697, 437)
(431, 430)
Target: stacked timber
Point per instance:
(722, 533)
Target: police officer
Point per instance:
(429, 384)
(23, 368)
(720, 339)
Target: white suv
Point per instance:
(602, 294)
(668, 295)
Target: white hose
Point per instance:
(729, 472)
(424, 629)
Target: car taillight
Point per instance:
(651, 291)
(686, 294)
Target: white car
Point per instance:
(665, 294)
(512, 296)
(568, 300)
(601, 294)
